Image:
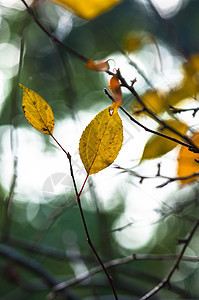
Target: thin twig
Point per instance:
(168, 179)
(45, 250)
(175, 266)
(78, 194)
(192, 146)
(179, 110)
(146, 128)
(8, 204)
(33, 266)
(120, 261)
(13, 140)
(172, 32)
(128, 58)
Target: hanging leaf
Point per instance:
(188, 161)
(158, 146)
(115, 88)
(37, 111)
(101, 141)
(88, 9)
(99, 66)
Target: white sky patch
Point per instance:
(9, 59)
(167, 8)
(158, 70)
(15, 4)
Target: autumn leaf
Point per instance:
(99, 66)
(189, 86)
(188, 161)
(188, 89)
(152, 100)
(115, 88)
(37, 111)
(101, 141)
(133, 42)
(88, 9)
(158, 146)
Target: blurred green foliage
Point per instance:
(69, 87)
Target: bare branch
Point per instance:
(166, 280)
(118, 262)
(144, 127)
(34, 267)
(158, 175)
(78, 194)
(192, 146)
(45, 250)
(179, 110)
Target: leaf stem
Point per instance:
(67, 153)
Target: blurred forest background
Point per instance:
(42, 238)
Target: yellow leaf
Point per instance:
(189, 87)
(101, 141)
(188, 161)
(152, 100)
(37, 111)
(192, 64)
(133, 42)
(158, 146)
(88, 9)
(97, 65)
(115, 88)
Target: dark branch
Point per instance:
(52, 37)
(166, 280)
(158, 175)
(33, 266)
(146, 128)
(179, 110)
(120, 261)
(191, 146)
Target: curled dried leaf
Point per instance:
(115, 88)
(99, 66)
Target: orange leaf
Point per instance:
(188, 161)
(98, 66)
(115, 88)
